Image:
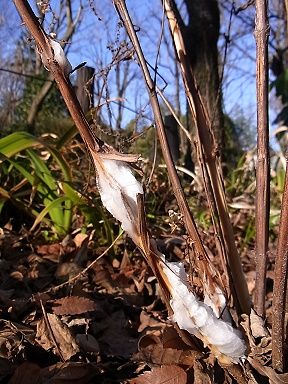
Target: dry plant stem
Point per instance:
(263, 161)
(209, 162)
(63, 83)
(176, 185)
(44, 46)
(219, 241)
(280, 286)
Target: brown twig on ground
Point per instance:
(210, 166)
(82, 273)
(280, 285)
(50, 331)
(263, 161)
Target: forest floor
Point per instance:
(62, 323)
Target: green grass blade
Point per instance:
(16, 142)
(52, 205)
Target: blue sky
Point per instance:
(90, 44)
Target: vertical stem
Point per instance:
(263, 161)
(63, 82)
(208, 157)
(151, 87)
(280, 285)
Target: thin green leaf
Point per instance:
(56, 203)
(16, 142)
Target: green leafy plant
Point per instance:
(41, 182)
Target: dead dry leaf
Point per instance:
(152, 350)
(148, 322)
(26, 373)
(257, 325)
(156, 354)
(274, 378)
(66, 345)
(87, 343)
(73, 305)
(171, 374)
(200, 376)
(60, 373)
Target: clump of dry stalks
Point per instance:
(123, 196)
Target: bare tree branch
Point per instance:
(47, 86)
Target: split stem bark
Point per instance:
(209, 163)
(280, 285)
(190, 225)
(263, 160)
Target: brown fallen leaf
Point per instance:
(26, 373)
(56, 336)
(274, 378)
(148, 322)
(87, 343)
(60, 373)
(257, 325)
(152, 350)
(171, 374)
(156, 354)
(200, 376)
(10, 343)
(73, 305)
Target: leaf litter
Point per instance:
(106, 325)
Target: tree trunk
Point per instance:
(85, 87)
(201, 44)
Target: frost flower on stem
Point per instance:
(118, 189)
(199, 319)
(58, 56)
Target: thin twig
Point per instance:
(82, 273)
(263, 160)
(50, 331)
(25, 75)
(244, 6)
(154, 158)
(280, 285)
(159, 45)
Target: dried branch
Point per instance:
(263, 161)
(280, 285)
(47, 86)
(58, 71)
(244, 6)
(209, 163)
(176, 185)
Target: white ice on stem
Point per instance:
(197, 317)
(118, 189)
(59, 56)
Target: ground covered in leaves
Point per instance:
(71, 314)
